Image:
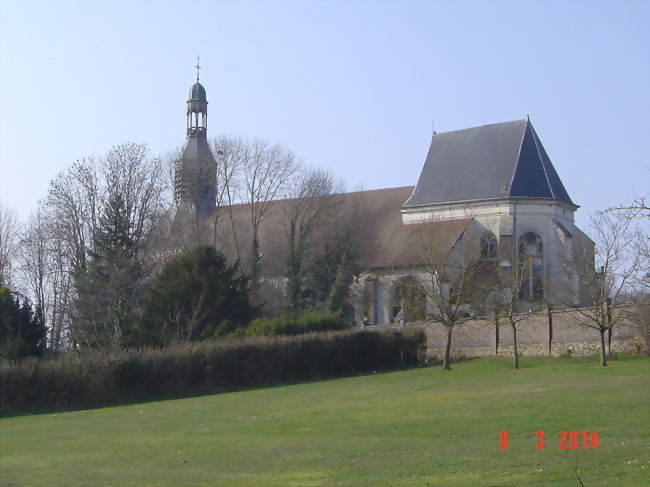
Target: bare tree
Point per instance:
(447, 276)
(73, 205)
(46, 275)
(509, 303)
(60, 290)
(267, 170)
(641, 293)
(129, 173)
(110, 291)
(72, 209)
(186, 319)
(617, 263)
(34, 263)
(9, 235)
(640, 206)
(230, 154)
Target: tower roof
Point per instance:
(197, 93)
(197, 150)
(496, 161)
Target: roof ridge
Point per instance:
(344, 193)
(541, 161)
(518, 158)
(480, 126)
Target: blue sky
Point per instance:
(350, 86)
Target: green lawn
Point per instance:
(409, 428)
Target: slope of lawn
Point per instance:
(415, 427)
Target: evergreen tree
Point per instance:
(196, 296)
(110, 290)
(22, 330)
(339, 290)
(328, 277)
(294, 267)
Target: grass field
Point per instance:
(415, 427)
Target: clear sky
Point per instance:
(351, 86)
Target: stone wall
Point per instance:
(477, 338)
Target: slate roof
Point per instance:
(197, 93)
(403, 248)
(197, 149)
(496, 161)
(375, 216)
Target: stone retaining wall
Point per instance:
(477, 338)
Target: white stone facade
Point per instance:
(553, 221)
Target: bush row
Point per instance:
(104, 377)
(297, 322)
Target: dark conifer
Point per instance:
(22, 331)
(196, 296)
(109, 291)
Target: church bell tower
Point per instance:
(196, 172)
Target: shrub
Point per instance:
(195, 296)
(297, 322)
(105, 376)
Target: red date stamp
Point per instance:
(568, 440)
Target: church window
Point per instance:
(488, 247)
(531, 265)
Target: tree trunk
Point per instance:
(234, 237)
(215, 224)
(609, 341)
(254, 263)
(603, 355)
(496, 333)
(550, 330)
(293, 270)
(515, 351)
(445, 360)
(609, 327)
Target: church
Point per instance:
(492, 186)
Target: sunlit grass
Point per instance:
(408, 428)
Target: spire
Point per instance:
(197, 108)
(195, 173)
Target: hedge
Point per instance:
(105, 377)
(297, 322)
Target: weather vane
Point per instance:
(198, 67)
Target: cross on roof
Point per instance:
(198, 67)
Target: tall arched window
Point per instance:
(488, 247)
(531, 265)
